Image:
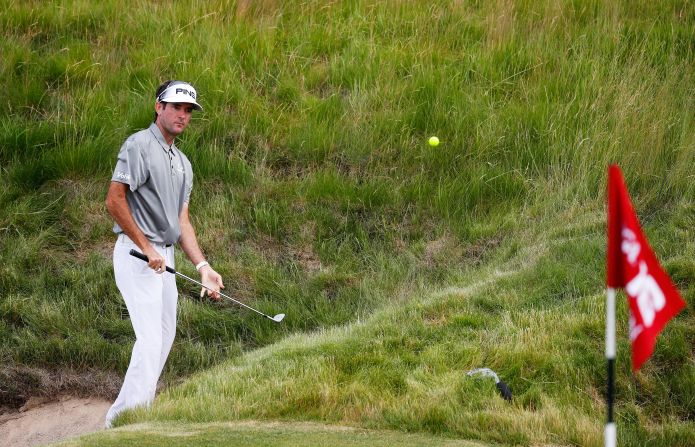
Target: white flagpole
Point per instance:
(610, 435)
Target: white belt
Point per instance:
(124, 238)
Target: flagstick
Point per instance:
(610, 433)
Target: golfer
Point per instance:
(148, 198)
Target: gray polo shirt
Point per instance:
(160, 179)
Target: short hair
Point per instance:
(163, 86)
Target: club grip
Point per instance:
(139, 255)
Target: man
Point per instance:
(148, 198)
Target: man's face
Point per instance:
(173, 118)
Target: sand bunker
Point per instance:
(41, 422)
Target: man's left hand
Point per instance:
(210, 278)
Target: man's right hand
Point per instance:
(156, 261)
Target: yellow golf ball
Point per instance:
(434, 141)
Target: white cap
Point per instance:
(179, 91)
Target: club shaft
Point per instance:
(222, 294)
(142, 257)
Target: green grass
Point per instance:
(260, 434)
(317, 195)
(534, 317)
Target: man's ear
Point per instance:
(158, 106)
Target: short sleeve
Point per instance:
(188, 182)
(131, 167)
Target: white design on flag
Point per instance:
(630, 247)
(635, 329)
(643, 288)
(646, 291)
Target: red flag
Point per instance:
(632, 265)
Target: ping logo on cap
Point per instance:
(179, 91)
(186, 92)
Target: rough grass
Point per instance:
(535, 318)
(316, 194)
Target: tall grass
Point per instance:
(533, 316)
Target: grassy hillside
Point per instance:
(533, 316)
(316, 195)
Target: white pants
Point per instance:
(151, 301)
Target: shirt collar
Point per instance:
(158, 134)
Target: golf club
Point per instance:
(277, 318)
